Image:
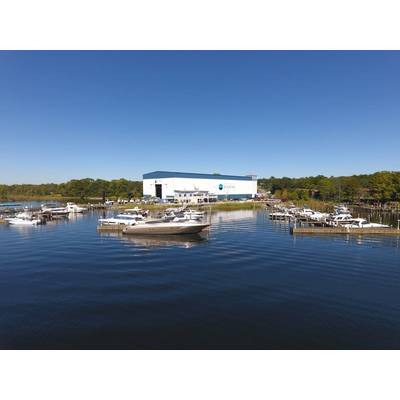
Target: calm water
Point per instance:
(246, 284)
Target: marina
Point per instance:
(307, 221)
(62, 281)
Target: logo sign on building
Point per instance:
(221, 186)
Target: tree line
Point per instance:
(380, 187)
(76, 188)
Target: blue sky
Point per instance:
(108, 115)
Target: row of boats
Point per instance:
(47, 211)
(340, 217)
(173, 221)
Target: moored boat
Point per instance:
(23, 218)
(54, 210)
(339, 219)
(73, 208)
(159, 227)
(121, 219)
(364, 224)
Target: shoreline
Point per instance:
(218, 206)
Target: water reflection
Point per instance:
(182, 241)
(231, 216)
(76, 216)
(351, 240)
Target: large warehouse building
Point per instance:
(197, 188)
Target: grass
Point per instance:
(220, 206)
(22, 197)
(231, 206)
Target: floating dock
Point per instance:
(310, 230)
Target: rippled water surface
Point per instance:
(246, 284)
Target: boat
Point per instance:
(23, 218)
(160, 227)
(54, 210)
(182, 214)
(137, 211)
(121, 219)
(281, 215)
(73, 208)
(306, 213)
(22, 221)
(363, 223)
(318, 216)
(339, 219)
(341, 209)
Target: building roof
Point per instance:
(169, 174)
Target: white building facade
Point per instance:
(165, 184)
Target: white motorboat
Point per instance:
(54, 210)
(23, 218)
(160, 227)
(363, 223)
(182, 217)
(73, 208)
(121, 219)
(306, 212)
(193, 214)
(341, 209)
(318, 216)
(182, 214)
(340, 219)
(22, 221)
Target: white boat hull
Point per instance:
(19, 221)
(164, 228)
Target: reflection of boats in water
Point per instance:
(185, 241)
(232, 216)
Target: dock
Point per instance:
(313, 230)
(111, 228)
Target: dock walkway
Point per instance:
(343, 231)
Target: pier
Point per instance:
(313, 230)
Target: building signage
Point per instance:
(221, 186)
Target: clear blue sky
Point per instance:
(108, 115)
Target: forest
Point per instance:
(76, 188)
(379, 187)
